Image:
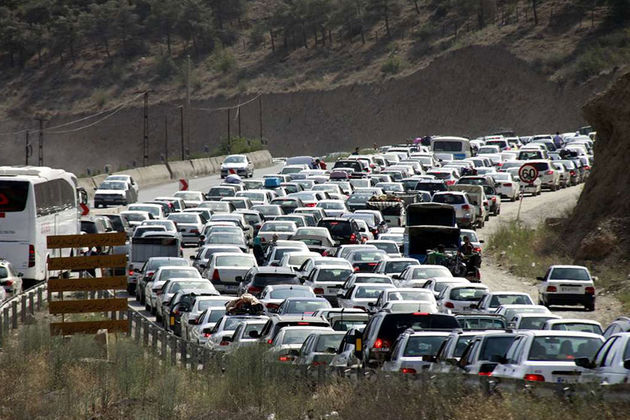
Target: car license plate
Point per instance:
(229, 287)
(561, 380)
(570, 289)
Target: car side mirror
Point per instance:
(540, 278)
(340, 293)
(481, 241)
(20, 274)
(595, 278)
(451, 361)
(396, 276)
(192, 257)
(586, 363)
(227, 338)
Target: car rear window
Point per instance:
(395, 324)
(264, 279)
(337, 227)
(397, 266)
(563, 348)
(533, 323)
(578, 326)
(578, 274)
(495, 346)
(287, 293)
(423, 346)
(466, 293)
(481, 323)
(235, 261)
(333, 274)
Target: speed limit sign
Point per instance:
(528, 173)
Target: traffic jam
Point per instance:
(370, 262)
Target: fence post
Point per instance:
(145, 332)
(130, 320)
(154, 340)
(23, 309)
(31, 304)
(194, 352)
(173, 343)
(5, 325)
(15, 314)
(138, 327)
(39, 298)
(162, 344)
(184, 356)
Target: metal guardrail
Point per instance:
(14, 311)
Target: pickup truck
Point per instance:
(152, 244)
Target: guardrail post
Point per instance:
(173, 343)
(154, 340)
(184, 354)
(23, 309)
(162, 336)
(39, 298)
(194, 356)
(31, 303)
(138, 326)
(145, 333)
(5, 317)
(14, 314)
(1, 329)
(130, 319)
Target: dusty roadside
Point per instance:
(535, 210)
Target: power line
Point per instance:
(226, 108)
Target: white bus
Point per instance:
(459, 147)
(35, 202)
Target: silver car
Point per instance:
(225, 267)
(410, 350)
(190, 226)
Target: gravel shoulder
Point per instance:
(534, 211)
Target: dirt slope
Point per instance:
(602, 217)
(470, 91)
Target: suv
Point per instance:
(549, 176)
(257, 278)
(466, 212)
(343, 231)
(354, 164)
(567, 285)
(383, 329)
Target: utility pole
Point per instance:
(260, 118)
(238, 110)
(229, 134)
(145, 144)
(188, 114)
(28, 148)
(181, 130)
(40, 161)
(166, 139)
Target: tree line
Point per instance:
(63, 29)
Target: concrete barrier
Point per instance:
(181, 169)
(88, 185)
(98, 179)
(149, 175)
(203, 167)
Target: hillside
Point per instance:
(69, 56)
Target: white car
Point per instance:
(294, 260)
(570, 324)
(417, 275)
(282, 230)
(237, 164)
(225, 267)
(404, 295)
(611, 364)
(545, 356)
(191, 198)
(460, 297)
(327, 280)
(567, 285)
(507, 185)
(438, 284)
(393, 267)
(491, 301)
(273, 295)
(126, 178)
(308, 265)
(116, 193)
(191, 320)
(534, 188)
(201, 328)
(509, 311)
(287, 343)
(361, 295)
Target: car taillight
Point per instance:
(477, 249)
(131, 272)
(450, 182)
(215, 275)
(587, 167)
(318, 291)
(175, 311)
(31, 255)
(408, 370)
(158, 292)
(485, 373)
(485, 203)
(549, 172)
(353, 238)
(507, 184)
(8, 283)
(285, 358)
(449, 305)
(381, 344)
(494, 198)
(224, 343)
(269, 341)
(322, 363)
(207, 335)
(572, 173)
(552, 289)
(465, 207)
(150, 274)
(253, 289)
(589, 290)
(310, 204)
(195, 231)
(533, 377)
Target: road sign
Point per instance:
(89, 284)
(85, 210)
(86, 263)
(84, 306)
(528, 173)
(183, 184)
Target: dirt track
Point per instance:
(534, 211)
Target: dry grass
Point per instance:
(53, 378)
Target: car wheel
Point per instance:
(513, 199)
(147, 307)
(590, 307)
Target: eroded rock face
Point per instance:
(600, 220)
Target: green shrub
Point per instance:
(165, 67)
(223, 61)
(392, 65)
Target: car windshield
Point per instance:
(263, 279)
(187, 284)
(328, 343)
(564, 348)
(171, 273)
(290, 292)
(225, 238)
(498, 300)
(481, 323)
(495, 346)
(466, 293)
(418, 346)
(419, 294)
(577, 326)
(578, 274)
(252, 327)
(471, 235)
(268, 210)
(235, 261)
(333, 274)
(113, 185)
(234, 159)
(390, 248)
(397, 266)
(429, 272)
(368, 292)
(359, 198)
(184, 218)
(155, 211)
(278, 227)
